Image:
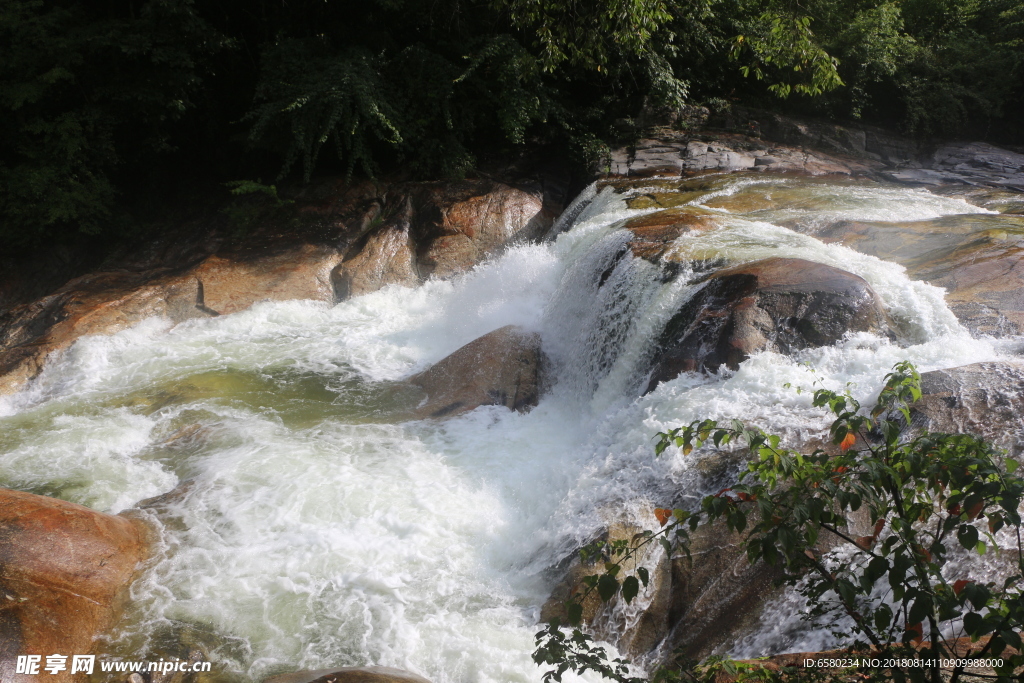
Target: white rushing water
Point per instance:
(312, 525)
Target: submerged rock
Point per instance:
(654, 233)
(777, 304)
(64, 572)
(977, 258)
(502, 367)
(350, 674)
(985, 399)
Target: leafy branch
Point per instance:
(923, 497)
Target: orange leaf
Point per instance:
(960, 585)
(918, 631)
(663, 515)
(955, 510)
(848, 441)
(879, 525)
(975, 510)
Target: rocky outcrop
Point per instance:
(672, 153)
(691, 605)
(64, 570)
(968, 163)
(742, 139)
(503, 367)
(350, 674)
(365, 237)
(439, 230)
(777, 304)
(985, 399)
(849, 139)
(104, 303)
(977, 258)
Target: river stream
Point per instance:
(311, 523)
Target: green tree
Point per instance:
(925, 496)
(82, 93)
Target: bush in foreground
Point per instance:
(892, 593)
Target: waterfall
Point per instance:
(306, 522)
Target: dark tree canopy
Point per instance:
(108, 105)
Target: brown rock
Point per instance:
(440, 230)
(696, 604)
(350, 674)
(985, 399)
(64, 571)
(977, 258)
(472, 228)
(349, 241)
(655, 232)
(776, 304)
(104, 303)
(716, 594)
(502, 367)
(385, 255)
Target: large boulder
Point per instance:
(64, 572)
(439, 230)
(985, 399)
(977, 258)
(350, 674)
(778, 304)
(691, 605)
(503, 367)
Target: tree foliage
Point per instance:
(929, 498)
(102, 103)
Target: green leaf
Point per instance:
(974, 624)
(574, 611)
(644, 576)
(607, 587)
(968, 536)
(630, 588)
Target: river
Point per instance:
(313, 523)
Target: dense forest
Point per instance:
(111, 107)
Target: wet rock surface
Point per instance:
(438, 230)
(693, 604)
(64, 573)
(367, 674)
(970, 163)
(777, 304)
(356, 239)
(503, 367)
(654, 233)
(977, 258)
(985, 399)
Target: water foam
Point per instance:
(313, 526)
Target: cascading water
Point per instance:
(311, 524)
